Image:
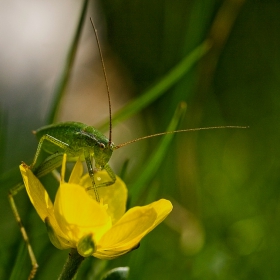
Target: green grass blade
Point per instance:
(156, 159)
(161, 87)
(61, 86)
(20, 262)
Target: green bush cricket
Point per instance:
(77, 140)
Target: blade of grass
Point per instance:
(61, 85)
(20, 262)
(161, 87)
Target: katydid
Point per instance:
(78, 141)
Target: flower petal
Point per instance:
(41, 200)
(76, 173)
(162, 207)
(78, 214)
(125, 235)
(57, 238)
(114, 195)
(36, 192)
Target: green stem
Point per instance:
(71, 266)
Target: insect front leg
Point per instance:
(91, 172)
(112, 176)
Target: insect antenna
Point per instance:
(176, 131)
(106, 81)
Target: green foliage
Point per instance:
(224, 183)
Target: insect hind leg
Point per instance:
(34, 263)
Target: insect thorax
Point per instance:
(80, 138)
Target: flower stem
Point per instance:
(71, 266)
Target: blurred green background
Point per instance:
(224, 184)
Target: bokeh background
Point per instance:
(224, 184)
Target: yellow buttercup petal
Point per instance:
(78, 214)
(162, 207)
(133, 224)
(76, 173)
(40, 200)
(125, 235)
(36, 192)
(57, 237)
(110, 254)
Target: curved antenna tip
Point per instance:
(178, 131)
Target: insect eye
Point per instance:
(102, 146)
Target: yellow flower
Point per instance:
(77, 220)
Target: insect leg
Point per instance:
(13, 192)
(53, 140)
(44, 168)
(48, 165)
(91, 171)
(111, 174)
